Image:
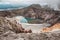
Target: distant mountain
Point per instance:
(10, 6)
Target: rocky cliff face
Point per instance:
(36, 12)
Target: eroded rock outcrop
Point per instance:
(6, 25)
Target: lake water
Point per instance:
(36, 28)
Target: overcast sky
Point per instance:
(24, 1)
(33, 1)
(52, 3)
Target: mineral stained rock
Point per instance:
(55, 27)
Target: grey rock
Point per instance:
(32, 36)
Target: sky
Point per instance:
(52, 3)
(32, 1)
(25, 2)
